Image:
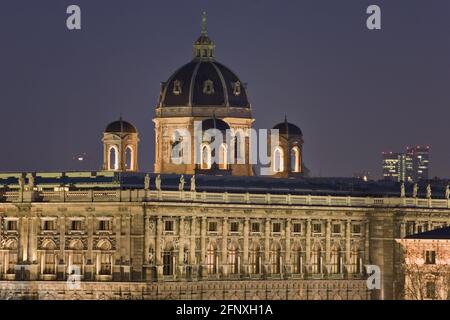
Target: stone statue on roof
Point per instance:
(30, 185)
(402, 190)
(147, 182)
(447, 192)
(415, 190)
(181, 184)
(193, 186)
(21, 182)
(158, 182)
(429, 191)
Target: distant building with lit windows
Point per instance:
(410, 166)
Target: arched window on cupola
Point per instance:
(205, 157)
(239, 148)
(278, 161)
(113, 158)
(129, 158)
(223, 154)
(295, 159)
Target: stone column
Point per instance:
(181, 235)
(203, 270)
(308, 245)
(224, 247)
(367, 242)
(287, 254)
(267, 247)
(158, 249)
(146, 238)
(348, 248)
(327, 243)
(245, 257)
(192, 249)
(382, 252)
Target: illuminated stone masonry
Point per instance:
(149, 244)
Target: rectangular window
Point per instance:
(104, 225)
(168, 225)
(75, 225)
(255, 227)
(430, 257)
(431, 290)
(11, 225)
(276, 227)
(336, 228)
(297, 228)
(409, 228)
(212, 226)
(49, 225)
(356, 228)
(317, 228)
(234, 227)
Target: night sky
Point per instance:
(353, 92)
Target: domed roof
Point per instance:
(289, 129)
(204, 83)
(120, 126)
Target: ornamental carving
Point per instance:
(48, 243)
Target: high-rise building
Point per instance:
(410, 166)
(420, 157)
(391, 166)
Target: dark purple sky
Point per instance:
(354, 92)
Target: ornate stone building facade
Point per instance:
(136, 243)
(204, 229)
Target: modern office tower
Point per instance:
(411, 166)
(420, 157)
(392, 166)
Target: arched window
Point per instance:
(297, 260)
(168, 256)
(278, 163)
(356, 260)
(316, 259)
(11, 262)
(295, 159)
(336, 260)
(206, 157)
(105, 263)
(76, 257)
(129, 158)
(239, 148)
(49, 257)
(211, 259)
(113, 158)
(255, 259)
(223, 157)
(233, 259)
(276, 259)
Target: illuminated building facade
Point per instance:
(427, 265)
(411, 166)
(204, 229)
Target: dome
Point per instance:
(204, 82)
(120, 126)
(286, 128)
